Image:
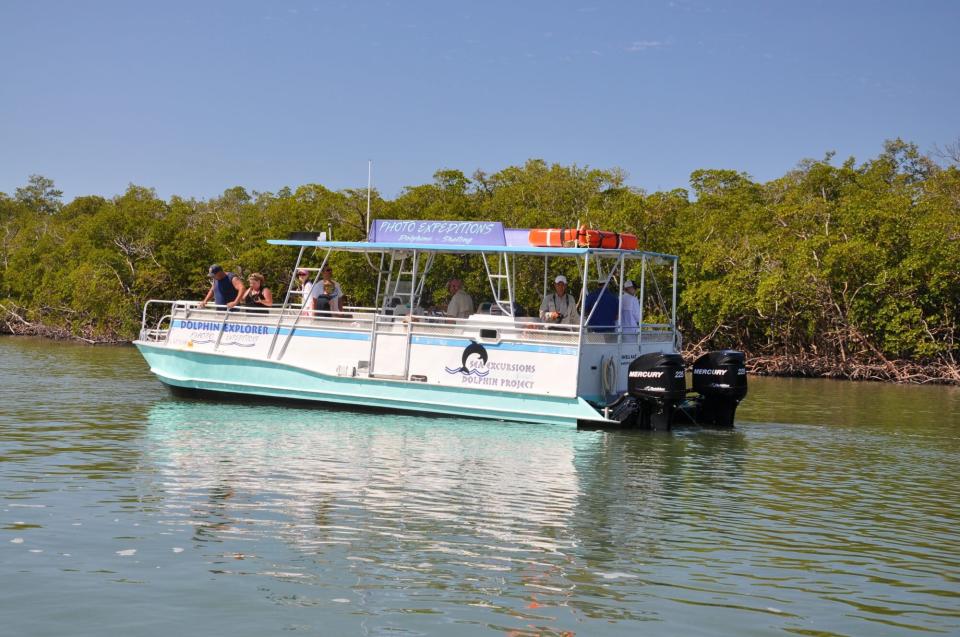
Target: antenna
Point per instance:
(369, 186)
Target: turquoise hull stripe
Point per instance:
(215, 372)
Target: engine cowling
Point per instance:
(657, 375)
(720, 378)
(658, 383)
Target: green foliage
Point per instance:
(40, 195)
(852, 260)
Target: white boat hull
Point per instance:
(243, 375)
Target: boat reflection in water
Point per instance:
(336, 472)
(532, 523)
(418, 523)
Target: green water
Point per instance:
(832, 509)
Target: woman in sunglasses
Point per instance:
(306, 285)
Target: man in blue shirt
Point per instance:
(605, 317)
(226, 288)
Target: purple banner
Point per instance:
(469, 233)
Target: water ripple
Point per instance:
(807, 519)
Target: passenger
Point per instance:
(258, 296)
(226, 288)
(460, 304)
(629, 308)
(326, 290)
(323, 299)
(604, 317)
(303, 277)
(558, 306)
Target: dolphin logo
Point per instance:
(473, 349)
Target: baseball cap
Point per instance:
(628, 284)
(302, 271)
(215, 268)
(560, 279)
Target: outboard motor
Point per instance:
(721, 380)
(658, 384)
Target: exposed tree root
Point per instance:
(859, 366)
(898, 371)
(13, 321)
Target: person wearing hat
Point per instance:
(226, 288)
(306, 285)
(558, 306)
(629, 308)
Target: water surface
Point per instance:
(832, 509)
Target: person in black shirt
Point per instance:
(258, 295)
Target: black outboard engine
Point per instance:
(658, 384)
(721, 380)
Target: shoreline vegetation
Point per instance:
(848, 270)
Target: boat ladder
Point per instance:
(501, 282)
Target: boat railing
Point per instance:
(157, 319)
(495, 329)
(657, 333)
(159, 333)
(649, 332)
(158, 316)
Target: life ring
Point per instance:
(608, 240)
(581, 237)
(553, 237)
(608, 375)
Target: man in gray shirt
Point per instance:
(460, 304)
(558, 306)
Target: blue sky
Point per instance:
(192, 98)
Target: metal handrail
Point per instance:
(513, 321)
(375, 323)
(286, 304)
(173, 304)
(305, 318)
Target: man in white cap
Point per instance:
(558, 306)
(629, 308)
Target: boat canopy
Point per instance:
(456, 237)
(407, 249)
(367, 246)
